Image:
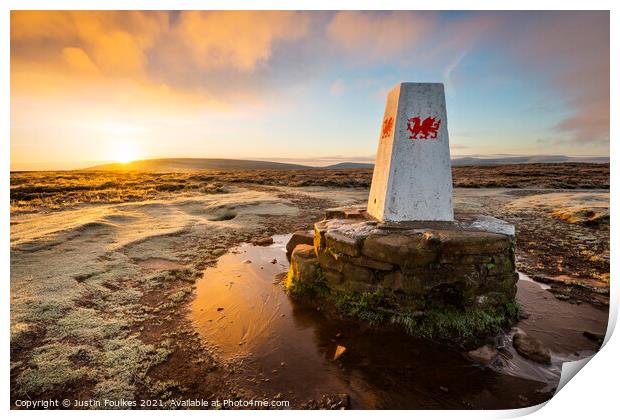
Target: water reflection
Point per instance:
(283, 347)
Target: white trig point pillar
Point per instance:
(412, 179)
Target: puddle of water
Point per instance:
(559, 324)
(526, 278)
(159, 264)
(284, 347)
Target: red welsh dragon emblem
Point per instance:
(425, 130)
(386, 129)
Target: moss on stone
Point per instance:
(375, 308)
(365, 306)
(458, 325)
(489, 266)
(299, 289)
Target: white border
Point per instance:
(592, 395)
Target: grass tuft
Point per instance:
(298, 289)
(465, 325)
(442, 324)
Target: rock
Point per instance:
(490, 300)
(341, 237)
(353, 286)
(464, 242)
(351, 212)
(594, 336)
(531, 348)
(304, 264)
(491, 224)
(329, 261)
(304, 251)
(247, 262)
(399, 282)
(334, 213)
(332, 278)
(220, 309)
(339, 351)
(400, 249)
(416, 264)
(444, 389)
(274, 261)
(267, 240)
(299, 238)
(355, 213)
(342, 244)
(483, 355)
(431, 238)
(355, 273)
(365, 261)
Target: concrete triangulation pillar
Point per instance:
(412, 179)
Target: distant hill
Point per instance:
(197, 164)
(511, 160)
(350, 165)
(192, 164)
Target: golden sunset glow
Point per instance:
(124, 152)
(297, 85)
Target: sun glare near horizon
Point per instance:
(124, 152)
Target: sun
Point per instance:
(124, 152)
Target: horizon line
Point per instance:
(326, 160)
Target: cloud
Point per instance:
(573, 63)
(228, 60)
(241, 39)
(35, 25)
(77, 59)
(378, 35)
(116, 42)
(220, 54)
(450, 69)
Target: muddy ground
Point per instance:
(103, 266)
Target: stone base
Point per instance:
(419, 269)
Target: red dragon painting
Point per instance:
(425, 130)
(386, 129)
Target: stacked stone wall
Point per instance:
(416, 268)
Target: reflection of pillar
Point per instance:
(412, 179)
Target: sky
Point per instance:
(110, 86)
